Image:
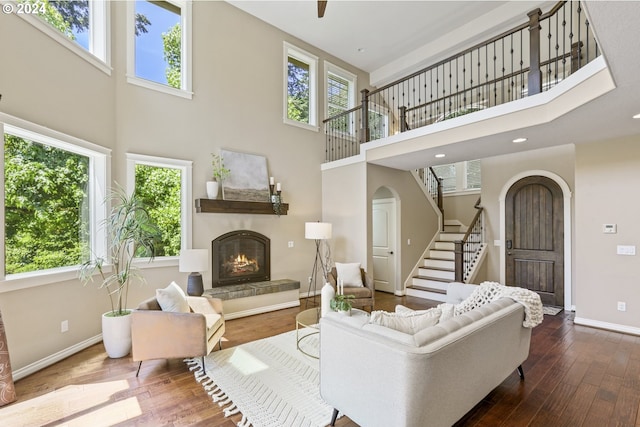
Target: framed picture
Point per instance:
(248, 180)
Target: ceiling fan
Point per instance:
(322, 5)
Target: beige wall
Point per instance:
(237, 104)
(418, 220)
(498, 171)
(607, 182)
(460, 207)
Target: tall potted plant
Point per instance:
(219, 174)
(130, 232)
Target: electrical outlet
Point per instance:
(290, 244)
(309, 279)
(64, 326)
(622, 306)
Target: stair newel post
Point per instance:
(459, 260)
(535, 73)
(365, 134)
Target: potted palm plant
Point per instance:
(130, 233)
(219, 174)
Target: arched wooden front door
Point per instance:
(534, 237)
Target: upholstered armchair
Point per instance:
(364, 296)
(158, 334)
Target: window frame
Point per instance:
(461, 172)
(99, 52)
(351, 78)
(186, 185)
(185, 91)
(99, 176)
(311, 60)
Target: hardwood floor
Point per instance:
(575, 376)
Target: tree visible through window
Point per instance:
(46, 208)
(160, 190)
(298, 90)
(158, 43)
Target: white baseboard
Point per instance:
(606, 325)
(260, 310)
(54, 358)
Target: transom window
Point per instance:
(80, 25)
(159, 55)
(300, 83)
(341, 96)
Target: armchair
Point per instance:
(157, 334)
(364, 296)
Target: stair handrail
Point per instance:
(400, 106)
(467, 249)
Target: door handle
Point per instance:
(509, 244)
(390, 252)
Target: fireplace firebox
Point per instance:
(240, 256)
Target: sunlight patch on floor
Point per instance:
(77, 405)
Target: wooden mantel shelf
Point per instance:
(234, 206)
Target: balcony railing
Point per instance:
(524, 61)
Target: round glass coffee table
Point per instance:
(307, 319)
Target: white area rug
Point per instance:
(268, 381)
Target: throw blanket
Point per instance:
(490, 291)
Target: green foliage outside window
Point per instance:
(172, 40)
(298, 90)
(159, 189)
(46, 206)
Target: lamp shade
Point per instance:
(192, 260)
(317, 230)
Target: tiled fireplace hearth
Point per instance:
(241, 276)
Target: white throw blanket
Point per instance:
(487, 292)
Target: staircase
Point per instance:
(438, 267)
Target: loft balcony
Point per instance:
(520, 72)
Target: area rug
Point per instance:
(268, 381)
(551, 311)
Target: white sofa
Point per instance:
(382, 377)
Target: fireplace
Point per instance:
(241, 256)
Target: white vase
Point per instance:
(326, 295)
(116, 334)
(212, 189)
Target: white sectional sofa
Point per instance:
(379, 376)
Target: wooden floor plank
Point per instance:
(575, 376)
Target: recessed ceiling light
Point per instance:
(637, 116)
(439, 156)
(519, 140)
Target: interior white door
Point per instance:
(384, 238)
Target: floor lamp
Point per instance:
(317, 231)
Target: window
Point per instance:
(53, 194)
(462, 176)
(159, 49)
(164, 185)
(81, 26)
(341, 96)
(378, 123)
(300, 84)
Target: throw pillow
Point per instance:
(408, 323)
(349, 274)
(172, 298)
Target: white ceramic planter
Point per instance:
(116, 335)
(212, 189)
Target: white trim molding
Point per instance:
(606, 325)
(566, 191)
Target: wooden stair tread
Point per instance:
(435, 279)
(427, 289)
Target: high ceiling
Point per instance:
(402, 36)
